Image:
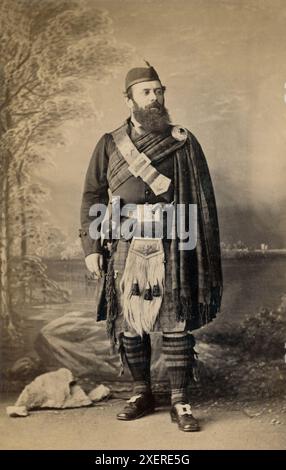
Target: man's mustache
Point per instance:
(154, 105)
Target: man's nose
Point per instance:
(152, 96)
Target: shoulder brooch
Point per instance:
(179, 133)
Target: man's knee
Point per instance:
(130, 334)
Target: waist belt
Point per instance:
(139, 220)
(147, 212)
(148, 220)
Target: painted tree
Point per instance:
(47, 50)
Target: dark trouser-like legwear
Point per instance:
(138, 357)
(177, 352)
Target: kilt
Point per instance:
(166, 319)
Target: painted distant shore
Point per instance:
(227, 253)
(253, 253)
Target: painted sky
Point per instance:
(223, 62)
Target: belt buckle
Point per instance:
(144, 212)
(150, 212)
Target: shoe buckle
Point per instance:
(184, 409)
(134, 398)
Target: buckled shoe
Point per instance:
(181, 414)
(137, 406)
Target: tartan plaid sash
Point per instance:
(196, 274)
(155, 146)
(139, 164)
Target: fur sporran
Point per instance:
(142, 284)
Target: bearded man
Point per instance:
(152, 282)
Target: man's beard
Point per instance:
(153, 118)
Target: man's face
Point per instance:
(147, 106)
(147, 93)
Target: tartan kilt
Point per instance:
(166, 319)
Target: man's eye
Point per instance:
(146, 92)
(159, 92)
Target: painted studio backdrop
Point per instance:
(62, 69)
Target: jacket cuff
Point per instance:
(89, 245)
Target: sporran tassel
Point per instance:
(148, 292)
(135, 288)
(156, 290)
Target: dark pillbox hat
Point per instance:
(140, 74)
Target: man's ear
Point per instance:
(129, 102)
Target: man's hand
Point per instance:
(94, 264)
